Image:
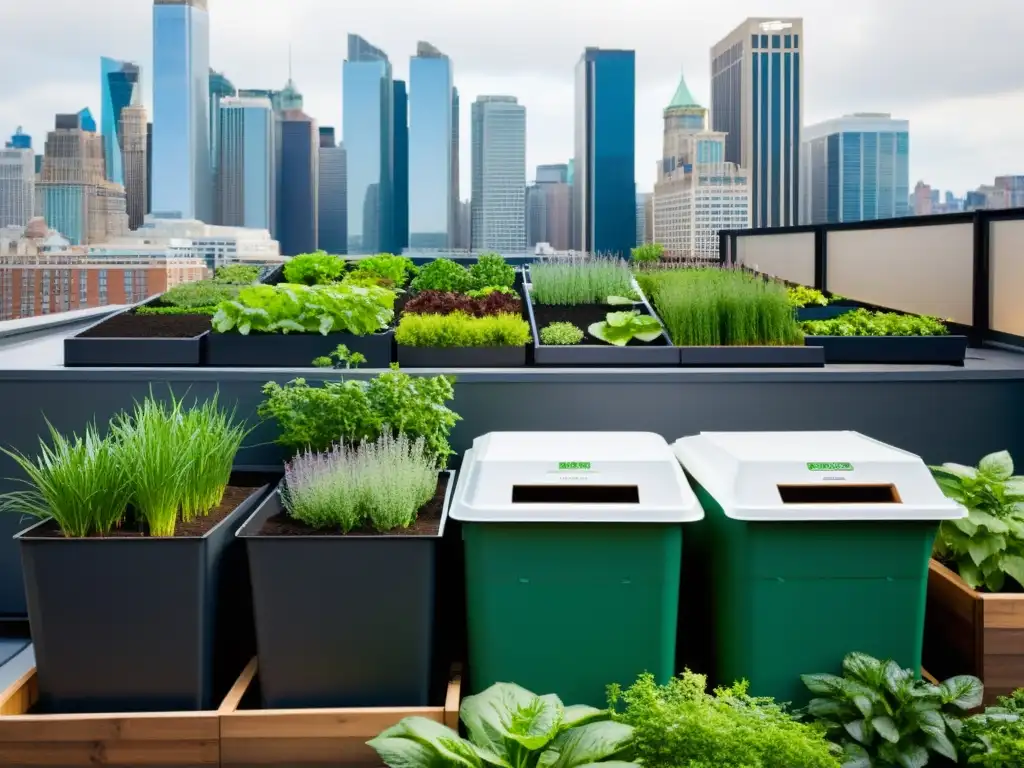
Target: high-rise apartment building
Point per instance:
(464, 215)
(604, 188)
(368, 135)
(247, 173)
(120, 87)
(643, 234)
(182, 165)
(332, 201)
(499, 174)
(922, 199)
(298, 183)
(220, 87)
(135, 162)
(453, 229)
(855, 168)
(288, 98)
(432, 133)
(400, 168)
(1014, 188)
(555, 173)
(17, 181)
(149, 168)
(757, 101)
(549, 208)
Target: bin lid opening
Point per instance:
(839, 493)
(575, 493)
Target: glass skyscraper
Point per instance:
(855, 168)
(604, 179)
(220, 87)
(120, 87)
(400, 172)
(182, 165)
(333, 207)
(246, 182)
(368, 134)
(298, 214)
(431, 114)
(499, 175)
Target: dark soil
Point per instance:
(427, 523)
(233, 496)
(128, 325)
(582, 316)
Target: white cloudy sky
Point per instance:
(954, 69)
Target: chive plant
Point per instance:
(578, 280)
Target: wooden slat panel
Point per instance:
(318, 723)
(159, 727)
(952, 641)
(297, 751)
(1004, 611)
(128, 754)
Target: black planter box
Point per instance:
(109, 352)
(920, 350)
(752, 357)
(343, 621)
(823, 313)
(653, 354)
(461, 357)
(293, 350)
(138, 624)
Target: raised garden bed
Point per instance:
(976, 633)
(336, 736)
(293, 350)
(127, 339)
(460, 357)
(885, 350)
(752, 357)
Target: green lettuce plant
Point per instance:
(620, 328)
(237, 274)
(199, 295)
(458, 329)
(988, 545)
(318, 268)
(396, 269)
(510, 727)
(802, 296)
(491, 271)
(882, 715)
(862, 322)
(442, 275)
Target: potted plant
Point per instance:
(130, 573)
(864, 336)
(975, 612)
(590, 311)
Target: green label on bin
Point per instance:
(829, 466)
(573, 465)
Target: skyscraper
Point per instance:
(182, 166)
(855, 168)
(604, 188)
(556, 173)
(400, 169)
(247, 178)
(134, 161)
(149, 167)
(120, 87)
(757, 99)
(549, 208)
(453, 228)
(333, 205)
(220, 87)
(499, 174)
(17, 182)
(432, 109)
(298, 183)
(368, 131)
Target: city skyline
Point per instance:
(957, 144)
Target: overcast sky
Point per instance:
(955, 70)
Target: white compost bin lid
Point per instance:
(572, 477)
(832, 476)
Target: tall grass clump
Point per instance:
(720, 307)
(578, 280)
(383, 483)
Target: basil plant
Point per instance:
(510, 727)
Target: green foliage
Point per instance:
(995, 738)
(384, 483)
(883, 716)
(486, 291)
(318, 268)
(988, 545)
(680, 725)
(341, 357)
(510, 727)
(321, 309)
(580, 280)
(491, 271)
(237, 274)
(560, 333)
(802, 296)
(647, 253)
(620, 328)
(442, 275)
(202, 293)
(720, 307)
(460, 330)
(364, 277)
(862, 322)
(396, 269)
(149, 309)
(351, 412)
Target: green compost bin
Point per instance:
(813, 545)
(573, 544)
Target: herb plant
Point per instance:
(385, 483)
(491, 271)
(200, 294)
(396, 269)
(439, 303)
(862, 322)
(988, 545)
(341, 357)
(322, 309)
(488, 290)
(363, 277)
(150, 309)
(647, 252)
(460, 330)
(510, 727)
(620, 328)
(560, 333)
(995, 738)
(580, 280)
(318, 268)
(681, 725)
(442, 275)
(883, 716)
(802, 296)
(237, 274)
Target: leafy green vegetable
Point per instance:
(488, 290)
(802, 296)
(995, 737)
(458, 329)
(491, 271)
(319, 268)
(203, 293)
(149, 309)
(560, 333)
(987, 545)
(620, 328)
(861, 322)
(396, 269)
(442, 275)
(883, 716)
(237, 274)
(648, 252)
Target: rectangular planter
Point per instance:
(343, 621)
(973, 633)
(653, 354)
(293, 350)
(304, 737)
(920, 350)
(107, 352)
(752, 357)
(138, 624)
(461, 357)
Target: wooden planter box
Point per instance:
(973, 633)
(322, 737)
(128, 740)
